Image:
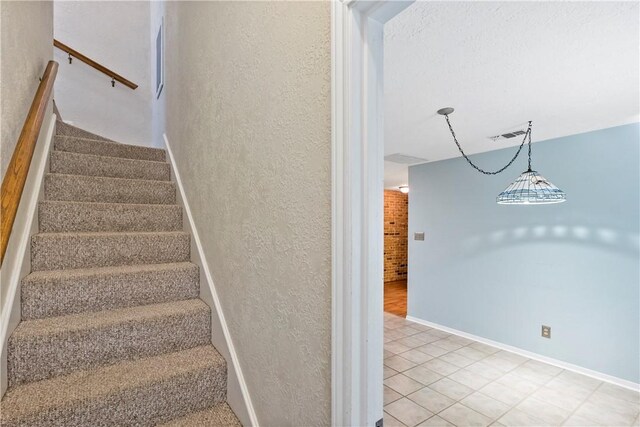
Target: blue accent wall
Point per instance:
(500, 272)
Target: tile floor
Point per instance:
(433, 378)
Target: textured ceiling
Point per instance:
(571, 67)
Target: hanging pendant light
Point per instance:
(530, 188)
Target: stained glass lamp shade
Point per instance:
(531, 188)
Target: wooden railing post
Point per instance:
(16, 174)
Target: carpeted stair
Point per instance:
(112, 330)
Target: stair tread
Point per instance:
(83, 203)
(114, 179)
(66, 129)
(81, 387)
(102, 319)
(219, 415)
(91, 156)
(72, 250)
(106, 148)
(108, 233)
(87, 164)
(102, 271)
(50, 293)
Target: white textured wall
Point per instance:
(248, 117)
(26, 32)
(115, 34)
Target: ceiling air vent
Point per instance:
(404, 159)
(508, 135)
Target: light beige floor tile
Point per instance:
(518, 383)
(551, 414)
(579, 379)
(436, 421)
(423, 375)
(390, 395)
(619, 393)
(569, 387)
(451, 389)
(439, 333)
(461, 415)
(410, 342)
(578, 421)
(390, 421)
(440, 366)
(456, 359)
(398, 363)
(560, 398)
(542, 368)
(484, 348)
(516, 417)
(516, 358)
(420, 327)
(637, 421)
(431, 400)
(388, 372)
(394, 334)
(460, 340)
(408, 330)
(485, 370)
(432, 350)
(503, 393)
(396, 347)
(605, 414)
(388, 354)
(416, 356)
(485, 405)
(499, 363)
(403, 384)
(469, 378)
(532, 375)
(609, 409)
(471, 353)
(407, 412)
(447, 345)
(427, 337)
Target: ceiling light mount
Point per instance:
(445, 111)
(529, 188)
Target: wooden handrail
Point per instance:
(16, 174)
(115, 76)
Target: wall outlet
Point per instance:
(419, 235)
(546, 331)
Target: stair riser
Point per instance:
(52, 297)
(62, 251)
(82, 164)
(59, 217)
(41, 357)
(107, 190)
(109, 149)
(63, 129)
(150, 405)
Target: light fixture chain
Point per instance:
(526, 135)
(529, 167)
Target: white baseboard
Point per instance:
(551, 361)
(238, 396)
(17, 262)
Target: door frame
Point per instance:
(357, 208)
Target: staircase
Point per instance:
(112, 330)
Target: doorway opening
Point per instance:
(396, 229)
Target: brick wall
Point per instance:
(396, 227)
